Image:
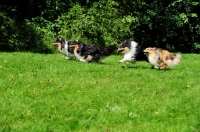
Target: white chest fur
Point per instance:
(65, 51)
(130, 55)
(152, 60)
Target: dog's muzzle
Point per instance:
(55, 44)
(120, 50)
(146, 53)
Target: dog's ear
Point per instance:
(152, 48)
(123, 41)
(60, 39)
(57, 37)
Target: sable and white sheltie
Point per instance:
(83, 52)
(90, 52)
(131, 50)
(161, 59)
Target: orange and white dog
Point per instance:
(161, 59)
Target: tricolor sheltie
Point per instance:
(63, 46)
(90, 52)
(83, 52)
(161, 59)
(131, 50)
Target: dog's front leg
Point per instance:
(163, 67)
(82, 60)
(128, 60)
(156, 67)
(67, 57)
(123, 60)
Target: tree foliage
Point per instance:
(99, 24)
(32, 25)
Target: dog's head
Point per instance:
(149, 50)
(75, 42)
(76, 46)
(124, 46)
(59, 43)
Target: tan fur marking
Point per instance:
(75, 47)
(149, 51)
(123, 50)
(170, 57)
(163, 66)
(89, 58)
(57, 45)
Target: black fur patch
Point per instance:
(125, 43)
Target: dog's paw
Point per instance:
(82, 60)
(160, 68)
(156, 67)
(67, 58)
(121, 61)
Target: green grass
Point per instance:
(48, 93)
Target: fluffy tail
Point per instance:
(174, 61)
(107, 51)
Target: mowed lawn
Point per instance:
(46, 92)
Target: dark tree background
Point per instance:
(31, 25)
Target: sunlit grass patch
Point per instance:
(49, 93)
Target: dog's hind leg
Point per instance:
(164, 66)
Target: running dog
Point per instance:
(90, 52)
(63, 46)
(161, 59)
(131, 50)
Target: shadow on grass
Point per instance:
(135, 67)
(143, 67)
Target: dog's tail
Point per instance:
(108, 50)
(174, 60)
(105, 52)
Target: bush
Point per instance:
(100, 24)
(23, 35)
(173, 25)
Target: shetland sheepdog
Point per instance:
(161, 59)
(90, 52)
(63, 46)
(131, 50)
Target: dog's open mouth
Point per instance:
(146, 53)
(56, 44)
(120, 50)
